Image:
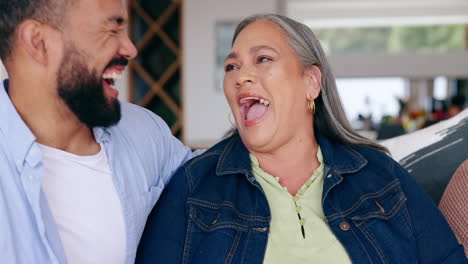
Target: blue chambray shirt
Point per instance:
(142, 155)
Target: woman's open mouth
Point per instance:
(253, 109)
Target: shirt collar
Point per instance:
(101, 134)
(19, 136)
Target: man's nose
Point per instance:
(127, 49)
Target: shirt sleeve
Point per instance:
(171, 150)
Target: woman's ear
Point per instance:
(313, 81)
(31, 37)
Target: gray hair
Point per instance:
(329, 118)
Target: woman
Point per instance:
(293, 183)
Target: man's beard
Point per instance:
(83, 92)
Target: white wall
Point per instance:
(122, 86)
(205, 108)
(409, 65)
(3, 74)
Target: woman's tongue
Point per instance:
(256, 111)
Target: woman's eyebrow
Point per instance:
(233, 55)
(260, 47)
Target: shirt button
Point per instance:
(344, 226)
(329, 176)
(298, 209)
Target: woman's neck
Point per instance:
(293, 162)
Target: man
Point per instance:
(79, 171)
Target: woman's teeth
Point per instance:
(265, 102)
(246, 100)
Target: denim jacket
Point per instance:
(214, 211)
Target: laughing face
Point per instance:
(96, 50)
(267, 88)
(84, 91)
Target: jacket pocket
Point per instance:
(382, 205)
(216, 232)
(383, 219)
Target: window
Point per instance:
(371, 97)
(393, 40)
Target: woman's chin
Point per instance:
(257, 139)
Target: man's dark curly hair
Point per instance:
(14, 12)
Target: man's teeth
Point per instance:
(114, 76)
(262, 101)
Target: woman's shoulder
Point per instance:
(210, 156)
(228, 157)
(378, 161)
(373, 154)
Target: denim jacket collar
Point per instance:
(338, 158)
(234, 158)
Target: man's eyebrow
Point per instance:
(118, 20)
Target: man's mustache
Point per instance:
(117, 62)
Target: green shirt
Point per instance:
(298, 230)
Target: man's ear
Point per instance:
(313, 81)
(32, 39)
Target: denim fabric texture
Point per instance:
(213, 211)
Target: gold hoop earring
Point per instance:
(311, 106)
(229, 119)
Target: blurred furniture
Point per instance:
(454, 204)
(389, 130)
(431, 155)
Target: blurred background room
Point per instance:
(401, 65)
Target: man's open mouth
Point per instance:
(114, 72)
(111, 77)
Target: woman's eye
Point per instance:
(263, 59)
(229, 68)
